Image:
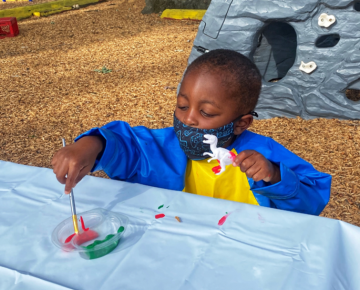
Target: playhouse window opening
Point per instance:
(353, 94)
(357, 6)
(328, 40)
(275, 51)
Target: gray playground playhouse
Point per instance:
(308, 52)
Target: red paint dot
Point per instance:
(159, 216)
(222, 220)
(216, 169)
(233, 156)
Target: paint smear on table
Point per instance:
(223, 219)
(160, 206)
(159, 216)
(260, 218)
(178, 219)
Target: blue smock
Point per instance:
(153, 157)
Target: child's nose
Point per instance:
(190, 120)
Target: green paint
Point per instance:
(226, 212)
(94, 254)
(160, 206)
(167, 206)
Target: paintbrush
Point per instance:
(72, 204)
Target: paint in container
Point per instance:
(109, 226)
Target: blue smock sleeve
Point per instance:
(138, 154)
(302, 188)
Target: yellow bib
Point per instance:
(231, 184)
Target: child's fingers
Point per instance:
(82, 173)
(251, 171)
(73, 173)
(60, 167)
(259, 175)
(240, 158)
(249, 165)
(60, 171)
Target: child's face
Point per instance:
(204, 103)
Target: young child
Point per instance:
(217, 96)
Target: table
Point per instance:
(256, 248)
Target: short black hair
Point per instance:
(239, 75)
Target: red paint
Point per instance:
(83, 224)
(216, 169)
(261, 219)
(222, 220)
(233, 156)
(159, 216)
(69, 238)
(86, 237)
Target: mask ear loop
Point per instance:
(253, 113)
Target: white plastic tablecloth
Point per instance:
(256, 248)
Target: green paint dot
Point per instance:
(167, 206)
(160, 206)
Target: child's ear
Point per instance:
(244, 123)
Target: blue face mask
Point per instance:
(191, 139)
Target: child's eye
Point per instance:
(182, 108)
(207, 115)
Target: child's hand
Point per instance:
(257, 167)
(76, 160)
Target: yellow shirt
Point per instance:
(232, 184)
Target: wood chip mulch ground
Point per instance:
(49, 88)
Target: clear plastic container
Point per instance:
(103, 236)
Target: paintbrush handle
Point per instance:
(73, 211)
(72, 203)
